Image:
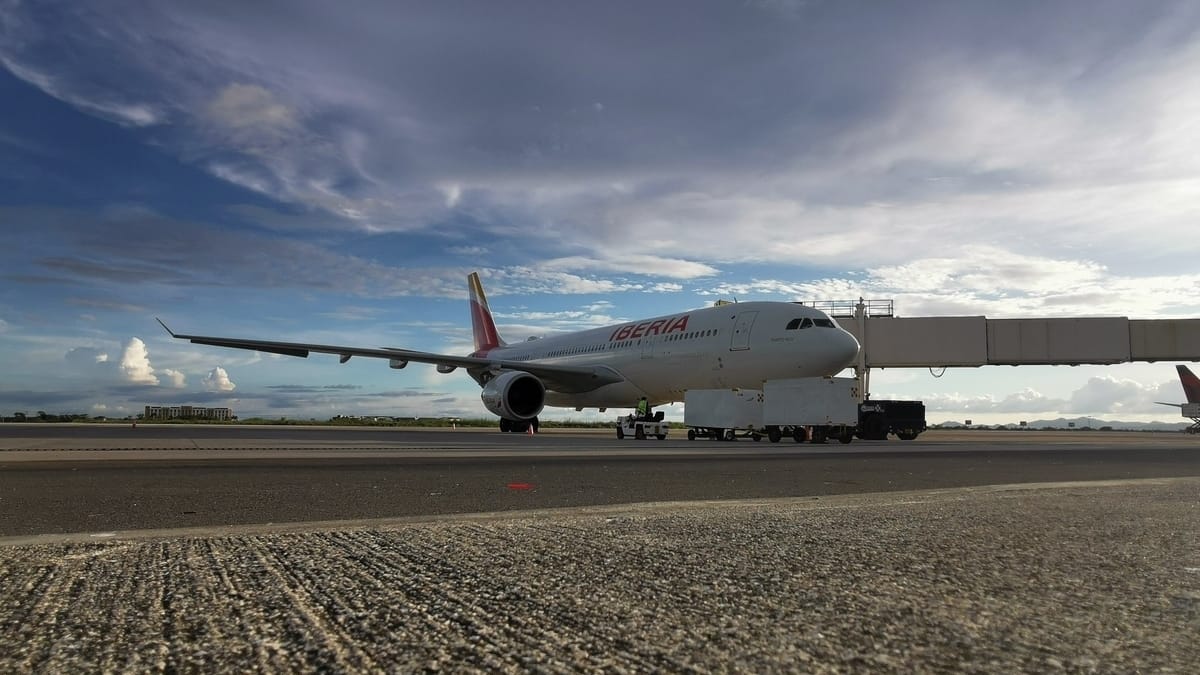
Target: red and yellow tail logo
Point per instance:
(486, 337)
(1191, 384)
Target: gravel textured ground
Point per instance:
(1083, 578)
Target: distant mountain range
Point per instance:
(1078, 423)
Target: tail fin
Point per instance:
(484, 328)
(1191, 384)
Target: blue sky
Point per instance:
(319, 172)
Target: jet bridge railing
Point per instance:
(846, 309)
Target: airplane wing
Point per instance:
(1173, 405)
(566, 379)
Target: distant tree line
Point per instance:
(43, 416)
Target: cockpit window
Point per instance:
(799, 323)
(824, 323)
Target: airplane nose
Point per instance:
(845, 351)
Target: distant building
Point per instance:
(186, 412)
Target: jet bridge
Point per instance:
(889, 341)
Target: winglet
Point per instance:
(169, 331)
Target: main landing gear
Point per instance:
(518, 426)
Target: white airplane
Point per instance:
(732, 345)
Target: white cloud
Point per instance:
(1055, 150)
(453, 195)
(249, 105)
(665, 287)
(135, 365)
(123, 113)
(252, 117)
(218, 380)
(352, 313)
(544, 322)
(85, 357)
(520, 280)
(646, 265)
(997, 283)
(1118, 398)
(1110, 395)
(1027, 400)
(177, 379)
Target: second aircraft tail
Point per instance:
(1191, 384)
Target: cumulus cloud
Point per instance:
(218, 380)
(1112, 395)
(1121, 398)
(135, 365)
(1027, 400)
(175, 377)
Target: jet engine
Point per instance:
(514, 395)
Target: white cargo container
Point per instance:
(722, 413)
(810, 401)
(803, 408)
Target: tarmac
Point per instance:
(883, 557)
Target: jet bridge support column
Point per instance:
(861, 370)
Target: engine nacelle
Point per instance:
(514, 395)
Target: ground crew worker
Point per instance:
(643, 409)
